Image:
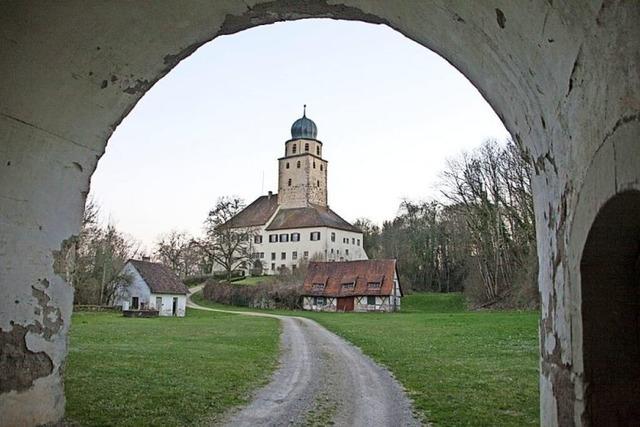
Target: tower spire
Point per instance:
(304, 110)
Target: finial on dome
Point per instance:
(304, 110)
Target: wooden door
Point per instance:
(345, 304)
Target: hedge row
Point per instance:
(266, 296)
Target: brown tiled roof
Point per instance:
(257, 213)
(334, 274)
(159, 278)
(312, 216)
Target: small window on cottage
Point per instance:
(135, 301)
(283, 255)
(306, 254)
(284, 237)
(306, 146)
(371, 300)
(295, 237)
(289, 182)
(319, 301)
(348, 286)
(373, 285)
(273, 238)
(273, 256)
(333, 236)
(257, 239)
(287, 165)
(298, 164)
(317, 287)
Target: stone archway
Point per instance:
(563, 78)
(610, 273)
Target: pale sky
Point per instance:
(389, 113)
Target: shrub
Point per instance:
(268, 295)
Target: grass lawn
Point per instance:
(460, 368)
(252, 280)
(165, 371)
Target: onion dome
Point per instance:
(304, 128)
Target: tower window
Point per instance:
(294, 148)
(287, 165)
(306, 146)
(298, 164)
(318, 183)
(321, 167)
(289, 182)
(314, 164)
(318, 150)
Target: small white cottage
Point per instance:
(153, 287)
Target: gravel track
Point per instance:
(322, 380)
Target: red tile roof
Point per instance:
(327, 278)
(160, 278)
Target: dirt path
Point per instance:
(322, 380)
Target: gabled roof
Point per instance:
(159, 278)
(312, 216)
(327, 278)
(257, 213)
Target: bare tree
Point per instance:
(231, 243)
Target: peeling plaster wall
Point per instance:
(563, 76)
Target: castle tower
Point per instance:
(302, 172)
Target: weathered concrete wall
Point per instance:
(563, 76)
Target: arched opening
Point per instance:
(610, 272)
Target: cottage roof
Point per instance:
(257, 213)
(350, 278)
(160, 278)
(311, 216)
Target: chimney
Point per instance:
(269, 195)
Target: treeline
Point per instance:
(479, 239)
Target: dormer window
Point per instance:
(373, 285)
(348, 286)
(317, 287)
(306, 146)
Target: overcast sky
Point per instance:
(389, 113)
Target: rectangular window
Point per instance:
(273, 266)
(134, 303)
(353, 240)
(257, 239)
(293, 267)
(315, 235)
(333, 237)
(346, 251)
(261, 255)
(373, 285)
(348, 286)
(306, 254)
(283, 255)
(295, 237)
(294, 255)
(273, 238)
(358, 242)
(318, 301)
(371, 300)
(284, 237)
(317, 287)
(273, 256)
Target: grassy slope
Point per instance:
(165, 371)
(460, 368)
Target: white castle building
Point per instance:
(297, 224)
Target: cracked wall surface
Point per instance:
(563, 77)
